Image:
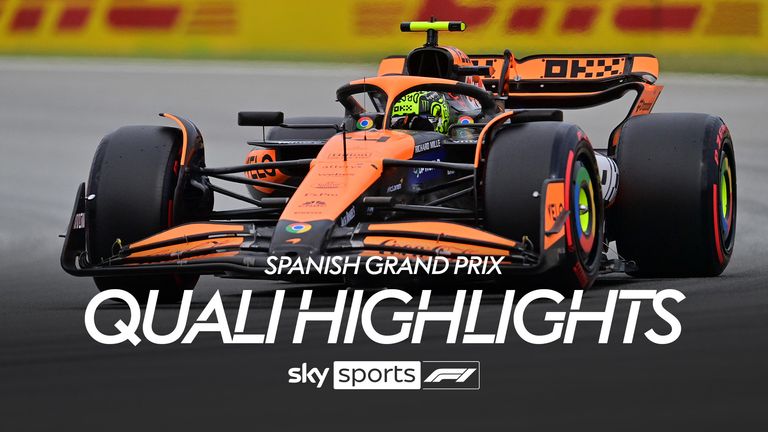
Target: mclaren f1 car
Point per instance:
(441, 154)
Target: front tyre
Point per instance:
(520, 159)
(132, 179)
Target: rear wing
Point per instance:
(571, 68)
(560, 80)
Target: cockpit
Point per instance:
(450, 109)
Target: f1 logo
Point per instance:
(454, 375)
(450, 374)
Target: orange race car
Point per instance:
(442, 155)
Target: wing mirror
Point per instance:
(260, 118)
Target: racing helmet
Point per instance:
(463, 107)
(431, 110)
(422, 110)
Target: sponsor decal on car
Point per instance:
(395, 187)
(79, 221)
(429, 145)
(313, 203)
(364, 123)
(298, 228)
(347, 217)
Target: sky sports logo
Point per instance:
(391, 375)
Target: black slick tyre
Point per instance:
(675, 211)
(132, 179)
(520, 160)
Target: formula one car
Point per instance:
(442, 154)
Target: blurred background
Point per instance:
(727, 36)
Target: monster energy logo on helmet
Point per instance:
(427, 104)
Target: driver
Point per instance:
(431, 110)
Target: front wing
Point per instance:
(242, 249)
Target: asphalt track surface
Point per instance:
(52, 374)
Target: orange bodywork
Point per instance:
(572, 68)
(586, 67)
(646, 64)
(554, 204)
(270, 175)
(184, 137)
(207, 256)
(333, 184)
(391, 66)
(183, 231)
(545, 69)
(192, 246)
(646, 100)
(491, 124)
(442, 228)
(350, 165)
(427, 245)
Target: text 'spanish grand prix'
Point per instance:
(442, 154)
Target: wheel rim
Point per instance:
(726, 197)
(584, 196)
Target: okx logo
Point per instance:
(450, 375)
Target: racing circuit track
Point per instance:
(52, 115)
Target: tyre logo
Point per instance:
(298, 228)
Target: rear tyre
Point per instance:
(132, 179)
(520, 158)
(675, 211)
